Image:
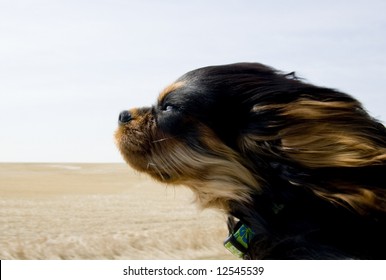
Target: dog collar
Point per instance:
(239, 240)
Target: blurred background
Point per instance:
(68, 67)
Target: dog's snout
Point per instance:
(125, 117)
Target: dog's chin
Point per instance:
(137, 152)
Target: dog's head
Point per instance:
(228, 131)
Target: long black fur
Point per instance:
(303, 166)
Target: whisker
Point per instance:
(161, 140)
(154, 167)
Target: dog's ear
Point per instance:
(338, 135)
(319, 129)
(331, 134)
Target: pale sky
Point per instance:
(68, 67)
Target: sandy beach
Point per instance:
(101, 211)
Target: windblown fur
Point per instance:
(304, 166)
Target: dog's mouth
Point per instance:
(137, 139)
(132, 139)
(130, 136)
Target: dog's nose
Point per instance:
(124, 117)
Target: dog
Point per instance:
(299, 169)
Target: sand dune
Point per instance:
(101, 211)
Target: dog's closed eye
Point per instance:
(169, 108)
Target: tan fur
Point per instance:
(359, 199)
(215, 178)
(321, 139)
(169, 89)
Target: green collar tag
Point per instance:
(238, 242)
